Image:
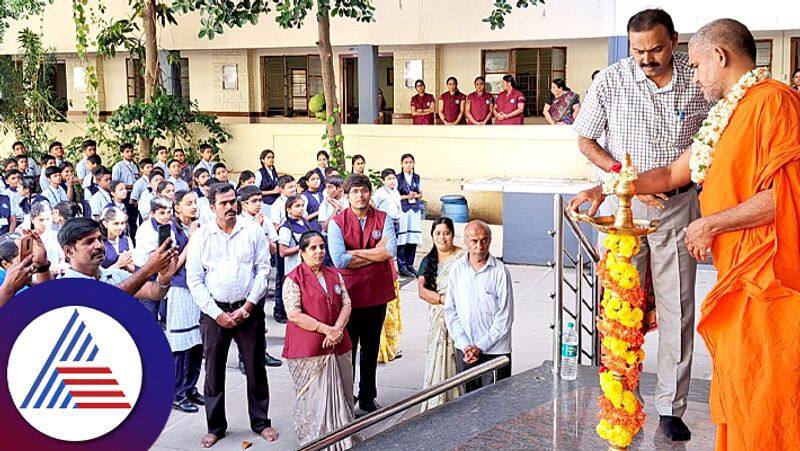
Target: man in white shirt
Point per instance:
(85, 250)
(479, 306)
(227, 266)
(125, 170)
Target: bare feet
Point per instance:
(209, 440)
(269, 434)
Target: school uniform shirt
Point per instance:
(209, 165)
(327, 210)
(43, 182)
(186, 173)
(5, 213)
(423, 102)
(269, 228)
(55, 253)
(114, 248)
(204, 210)
(55, 195)
(140, 186)
(321, 173)
(81, 170)
(388, 201)
(451, 105)
(227, 268)
(313, 200)
(99, 201)
(144, 203)
(111, 276)
(16, 203)
(290, 238)
(179, 184)
(507, 104)
(479, 306)
(480, 105)
(33, 169)
(163, 166)
(277, 212)
(125, 171)
(146, 241)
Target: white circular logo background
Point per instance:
(74, 373)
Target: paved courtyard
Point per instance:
(400, 378)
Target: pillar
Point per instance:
(617, 48)
(367, 84)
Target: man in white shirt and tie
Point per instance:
(479, 306)
(226, 269)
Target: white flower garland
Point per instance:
(611, 179)
(704, 142)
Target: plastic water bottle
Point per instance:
(569, 353)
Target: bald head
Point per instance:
(727, 34)
(478, 239)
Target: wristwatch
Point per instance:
(42, 268)
(245, 313)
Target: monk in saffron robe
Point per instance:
(750, 221)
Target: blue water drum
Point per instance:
(454, 206)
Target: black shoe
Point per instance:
(406, 273)
(272, 361)
(185, 406)
(241, 367)
(675, 429)
(280, 318)
(196, 398)
(368, 405)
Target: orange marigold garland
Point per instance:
(620, 324)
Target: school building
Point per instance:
(258, 80)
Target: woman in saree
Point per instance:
(563, 107)
(317, 347)
(440, 362)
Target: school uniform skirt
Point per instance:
(410, 228)
(183, 320)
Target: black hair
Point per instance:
(264, 154)
(407, 155)
(418, 82)
(387, 172)
(218, 188)
(650, 18)
(17, 143)
(284, 179)
(205, 146)
(305, 239)
(245, 175)
(357, 180)
(8, 161)
(218, 166)
(594, 74)
(561, 84)
(180, 194)
(170, 161)
(95, 159)
(479, 78)
(290, 201)
(179, 150)
(199, 171)
(160, 148)
(302, 182)
(160, 203)
(65, 165)
(11, 172)
(40, 207)
(510, 79)
(47, 158)
(52, 170)
(76, 229)
(54, 144)
(125, 146)
(451, 78)
(157, 171)
(330, 170)
(67, 210)
(311, 173)
(334, 180)
(88, 143)
(432, 259)
(8, 250)
(322, 152)
(249, 191)
(144, 162)
(163, 185)
(114, 184)
(100, 171)
(356, 158)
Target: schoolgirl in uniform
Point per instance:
(119, 247)
(314, 195)
(409, 184)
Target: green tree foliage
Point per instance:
(502, 8)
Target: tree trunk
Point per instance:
(151, 64)
(332, 127)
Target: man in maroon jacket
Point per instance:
(362, 245)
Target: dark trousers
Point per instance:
(133, 217)
(187, 371)
(406, 255)
(249, 337)
(364, 328)
(279, 275)
(487, 378)
(157, 309)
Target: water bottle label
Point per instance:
(569, 350)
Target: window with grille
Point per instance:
(533, 70)
(135, 79)
(184, 74)
(288, 82)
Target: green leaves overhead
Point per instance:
(502, 8)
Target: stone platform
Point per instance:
(535, 411)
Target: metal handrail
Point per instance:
(404, 404)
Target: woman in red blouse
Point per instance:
(510, 105)
(452, 103)
(423, 105)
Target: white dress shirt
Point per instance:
(479, 306)
(269, 229)
(227, 268)
(54, 195)
(179, 184)
(99, 201)
(139, 187)
(388, 201)
(146, 242)
(277, 211)
(125, 171)
(111, 276)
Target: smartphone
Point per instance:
(164, 233)
(25, 247)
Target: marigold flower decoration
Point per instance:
(620, 324)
